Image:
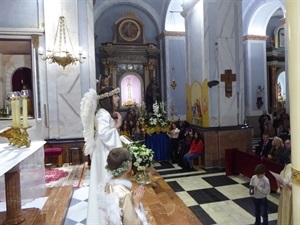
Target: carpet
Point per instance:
(65, 175)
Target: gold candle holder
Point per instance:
(17, 136)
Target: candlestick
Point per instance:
(13, 111)
(17, 107)
(25, 111)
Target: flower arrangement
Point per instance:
(142, 157)
(155, 121)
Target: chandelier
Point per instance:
(61, 53)
(173, 82)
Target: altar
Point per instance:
(160, 144)
(22, 172)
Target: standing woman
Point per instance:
(174, 142)
(100, 130)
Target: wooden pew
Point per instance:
(239, 162)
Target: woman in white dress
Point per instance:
(101, 135)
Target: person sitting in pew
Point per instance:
(277, 148)
(285, 155)
(194, 152)
(265, 146)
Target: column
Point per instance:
(274, 86)
(293, 32)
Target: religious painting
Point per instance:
(130, 90)
(188, 100)
(196, 103)
(205, 104)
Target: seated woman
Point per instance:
(124, 130)
(120, 203)
(195, 151)
(277, 148)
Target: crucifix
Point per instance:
(228, 77)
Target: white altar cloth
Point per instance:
(31, 165)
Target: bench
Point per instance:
(239, 162)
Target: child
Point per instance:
(120, 204)
(261, 188)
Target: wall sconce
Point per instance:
(60, 53)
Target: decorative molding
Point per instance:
(35, 41)
(255, 38)
(188, 6)
(22, 31)
(170, 34)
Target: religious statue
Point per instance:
(259, 95)
(152, 94)
(279, 92)
(104, 81)
(129, 89)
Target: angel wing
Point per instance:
(88, 107)
(109, 205)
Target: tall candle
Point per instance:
(17, 107)
(13, 111)
(25, 111)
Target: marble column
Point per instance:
(293, 35)
(214, 32)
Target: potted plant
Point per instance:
(142, 158)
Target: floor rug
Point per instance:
(65, 175)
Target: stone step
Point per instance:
(56, 206)
(164, 206)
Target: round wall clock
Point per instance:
(129, 30)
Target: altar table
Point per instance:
(160, 144)
(22, 166)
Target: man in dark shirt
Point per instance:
(262, 121)
(285, 155)
(265, 146)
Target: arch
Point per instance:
(102, 7)
(258, 20)
(10, 73)
(174, 21)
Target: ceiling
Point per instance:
(15, 47)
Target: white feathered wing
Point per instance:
(88, 107)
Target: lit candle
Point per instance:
(17, 107)
(25, 111)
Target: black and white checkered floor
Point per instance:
(212, 196)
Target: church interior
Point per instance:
(216, 65)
